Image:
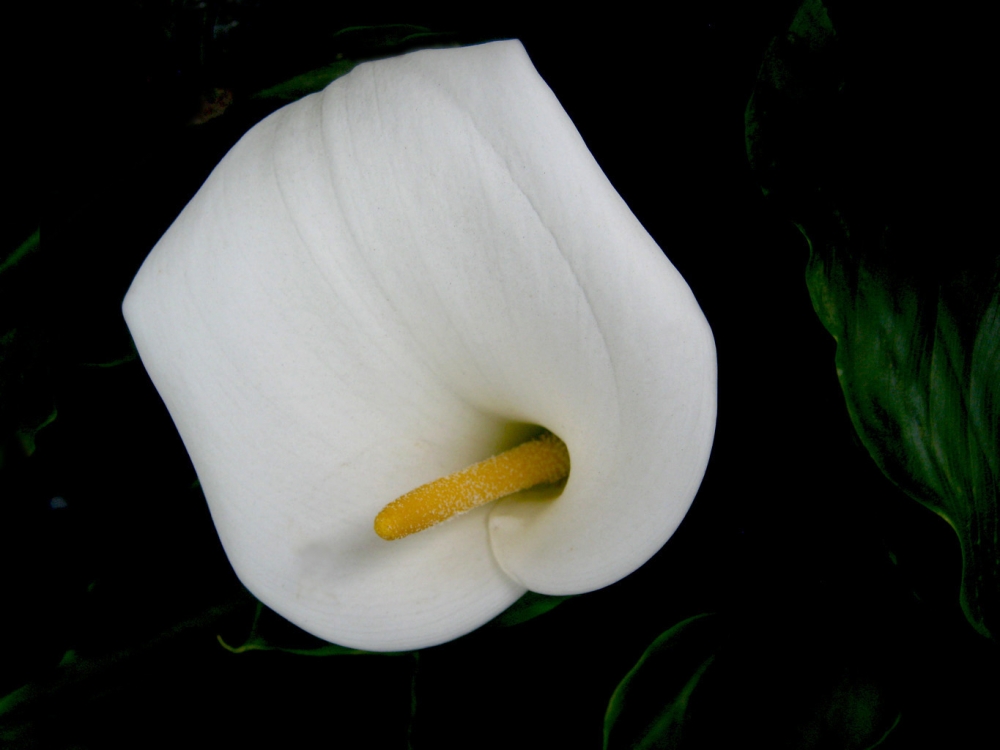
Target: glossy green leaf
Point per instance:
(920, 369)
(916, 319)
(648, 708)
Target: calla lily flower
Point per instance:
(382, 284)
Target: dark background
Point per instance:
(819, 566)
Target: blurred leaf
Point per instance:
(528, 607)
(916, 320)
(713, 682)
(271, 632)
(26, 401)
(30, 245)
(26, 435)
(647, 709)
(78, 678)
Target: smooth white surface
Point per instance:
(370, 286)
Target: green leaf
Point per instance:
(132, 356)
(359, 43)
(27, 247)
(26, 402)
(271, 632)
(78, 677)
(528, 607)
(648, 708)
(916, 320)
(920, 368)
(307, 83)
(386, 36)
(711, 681)
(26, 435)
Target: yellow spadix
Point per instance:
(544, 460)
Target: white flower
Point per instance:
(372, 290)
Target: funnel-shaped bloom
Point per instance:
(371, 290)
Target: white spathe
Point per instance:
(370, 288)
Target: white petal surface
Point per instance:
(370, 287)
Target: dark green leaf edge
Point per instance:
(132, 356)
(664, 730)
(888, 731)
(256, 642)
(386, 28)
(528, 607)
